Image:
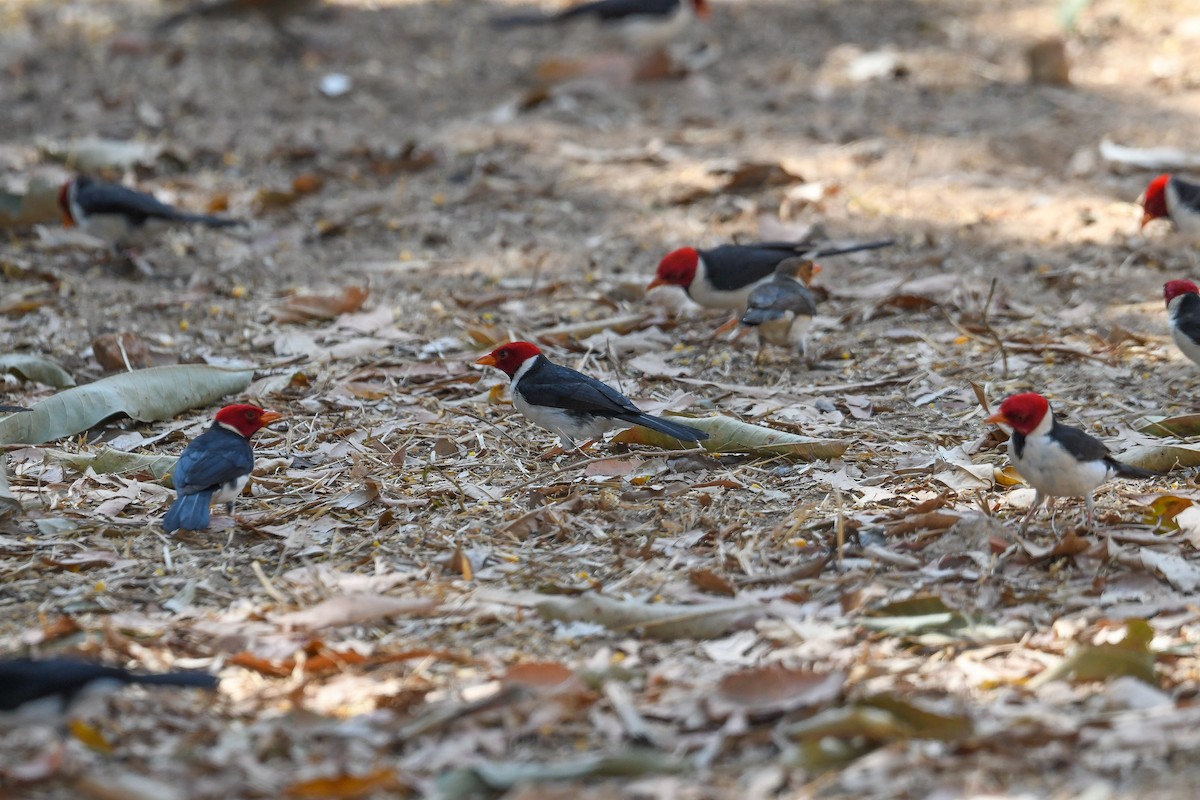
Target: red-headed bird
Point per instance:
(1183, 308)
(569, 403)
(1171, 197)
(724, 276)
(1055, 459)
(216, 466)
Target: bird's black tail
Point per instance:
(200, 680)
(684, 433)
(1129, 471)
(209, 220)
(521, 21)
(825, 252)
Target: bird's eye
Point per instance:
(251, 414)
(503, 354)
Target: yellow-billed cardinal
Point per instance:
(724, 276)
(45, 689)
(1183, 308)
(782, 309)
(116, 213)
(216, 466)
(1055, 459)
(1171, 197)
(569, 403)
(643, 23)
(275, 12)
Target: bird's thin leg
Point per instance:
(760, 357)
(1037, 501)
(1091, 511)
(1051, 509)
(727, 326)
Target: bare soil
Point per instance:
(406, 496)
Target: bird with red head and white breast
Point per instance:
(1056, 460)
(120, 215)
(1183, 311)
(724, 276)
(570, 404)
(1172, 198)
(641, 24)
(215, 467)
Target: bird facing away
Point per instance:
(46, 689)
(782, 309)
(1183, 312)
(1056, 460)
(1173, 198)
(120, 215)
(569, 403)
(215, 466)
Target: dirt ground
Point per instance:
(405, 606)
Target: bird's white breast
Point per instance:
(703, 293)
(1048, 467)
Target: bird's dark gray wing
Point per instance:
(553, 385)
(214, 458)
(1187, 316)
(112, 198)
(776, 297)
(1189, 193)
(1083, 446)
(26, 680)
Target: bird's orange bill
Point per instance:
(817, 269)
(997, 419)
(271, 416)
(1146, 217)
(488, 361)
(655, 283)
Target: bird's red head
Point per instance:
(1022, 412)
(509, 357)
(701, 8)
(245, 419)
(1172, 289)
(64, 204)
(1154, 201)
(677, 268)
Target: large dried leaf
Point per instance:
(1183, 426)
(146, 395)
(109, 461)
(729, 435)
(1162, 458)
(656, 620)
(484, 779)
(36, 368)
(777, 688)
(314, 307)
(352, 609)
(1131, 656)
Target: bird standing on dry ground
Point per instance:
(1055, 459)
